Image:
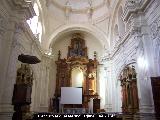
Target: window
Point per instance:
(35, 23)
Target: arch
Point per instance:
(131, 62)
(120, 22)
(113, 19)
(101, 37)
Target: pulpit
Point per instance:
(21, 98)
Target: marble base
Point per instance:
(146, 109)
(6, 111)
(6, 115)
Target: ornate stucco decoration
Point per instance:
(24, 75)
(2, 25)
(155, 35)
(134, 26)
(76, 10)
(23, 6)
(154, 30)
(132, 6)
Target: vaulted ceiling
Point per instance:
(86, 16)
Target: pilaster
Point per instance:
(144, 67)
(44, 98)
(18, 12)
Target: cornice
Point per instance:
(84, 10)
(34, 41)
(22, 6)
(134, 30)
(133, 6)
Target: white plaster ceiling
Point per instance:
(80, 10)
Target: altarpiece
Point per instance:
(77, 58)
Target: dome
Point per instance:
(79, 10)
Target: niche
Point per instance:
(77, 77)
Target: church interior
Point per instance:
(80, 56)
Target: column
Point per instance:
(145, 70)
(10, 69)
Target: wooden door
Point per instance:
(155, 81)
(96, 105)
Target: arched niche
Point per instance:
(77, 77)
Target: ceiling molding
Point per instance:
(133, 7)
(78, 11)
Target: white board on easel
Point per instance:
(71, 95)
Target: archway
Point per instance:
(89, 29)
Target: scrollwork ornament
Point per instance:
(2, 25)
(19, 27)
(156, 44)
(154, 30)
(2, 22)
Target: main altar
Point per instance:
(77, 70)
